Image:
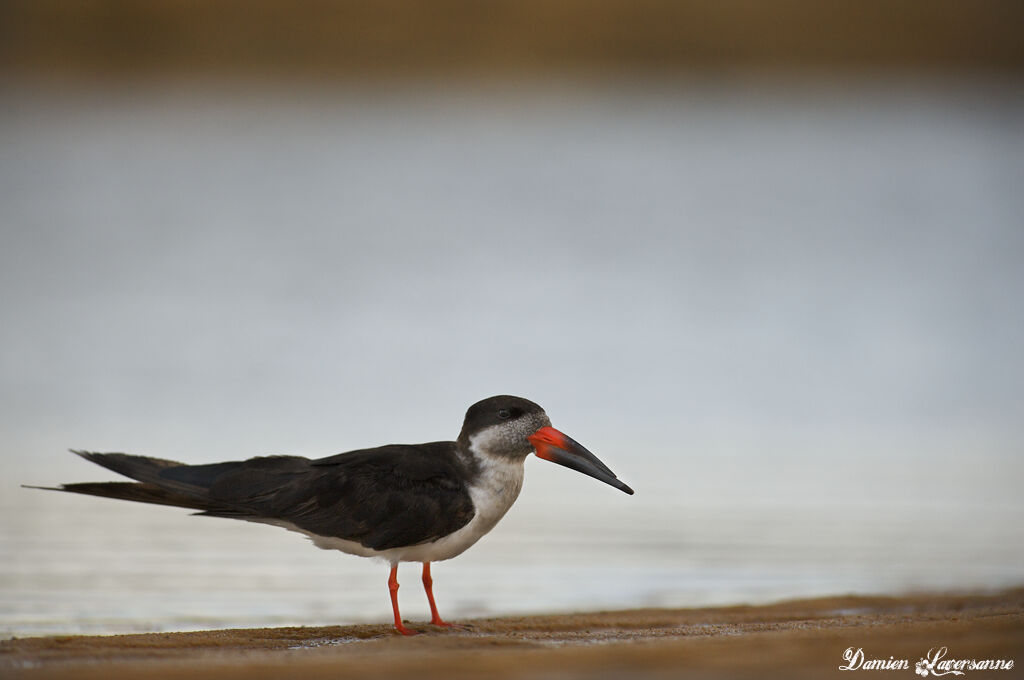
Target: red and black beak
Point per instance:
(562, 449)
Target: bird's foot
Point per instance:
(405, 631)
(444, 624)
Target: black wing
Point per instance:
(387, 497)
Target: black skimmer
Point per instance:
(403, 503)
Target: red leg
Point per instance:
(428, 585)
(393, 587)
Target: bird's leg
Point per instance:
(393, 587)
(428, 585)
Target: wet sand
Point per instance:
(804, 638)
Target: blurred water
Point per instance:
(787, 313)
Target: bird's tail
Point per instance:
(183, 491)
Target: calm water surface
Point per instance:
(787, 314)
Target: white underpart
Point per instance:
(493, 492)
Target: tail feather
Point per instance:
(141, 468)
(160, 482)
(191, 481)
(134, 491)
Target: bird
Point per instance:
(399, 502)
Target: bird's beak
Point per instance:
(560, 448)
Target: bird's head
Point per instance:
(513, 427)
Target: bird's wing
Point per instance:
(382, 498)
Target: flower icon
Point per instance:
(928, 663)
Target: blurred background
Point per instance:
(763, 258)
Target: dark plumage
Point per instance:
(381, 498)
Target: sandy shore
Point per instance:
(803, 638)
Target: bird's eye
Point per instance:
(504, 413)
